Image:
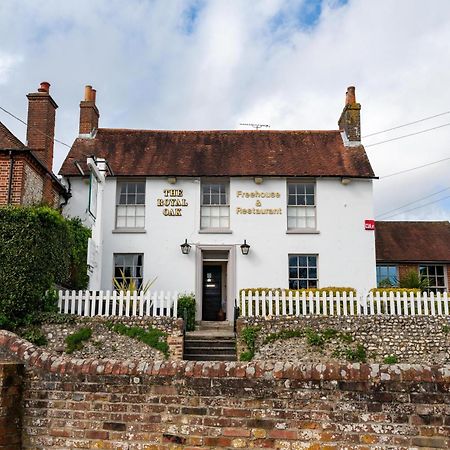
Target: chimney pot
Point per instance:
(87, 93)
(350, 96)
(89, 114)
(44, 87)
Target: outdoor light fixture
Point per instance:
(245, 248)
(185, 248)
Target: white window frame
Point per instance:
(308, 212)
(221, 209)
(310, 281)
(134, 212)
(134, 268)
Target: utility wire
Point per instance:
(406, 124)
(414, 168)
(39, 131)
(417, 207)
(415, 201)
(408, 135)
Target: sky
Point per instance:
(213, 64)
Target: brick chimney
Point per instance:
(41, 124)
(89, 114)
(350, 120)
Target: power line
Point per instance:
(417, 207)
(414, 168)
(408, 135)
(39, 131)
(415, 201)
(406, 124)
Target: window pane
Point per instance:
(309, 188)
(302, 261)
(303, 271)
(130, 194)
(293, 261)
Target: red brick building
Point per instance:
(419, 246)
(26, 175)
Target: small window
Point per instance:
(435, 276)
(130, 205)
(128, 268)
(301, 207)
(387, 276)
(215, 207)
(303, 272)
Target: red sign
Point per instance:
(369, 224)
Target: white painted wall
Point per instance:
(346, 251)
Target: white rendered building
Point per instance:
(299, 199)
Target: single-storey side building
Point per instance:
(423, 247)
(212, 212)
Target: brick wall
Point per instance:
(10, 405)
(30, 182)
(193, 405)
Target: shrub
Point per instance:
(37, 249)
(388, 290)
(75, 340)
(152, 336)
(186, 302)
(413, 280)
(332, 289)
(34, 335)
(80, 235)
(249, 335)
(391, 359)
(356, 355)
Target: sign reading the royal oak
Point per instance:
(259, 204)
(172, 203)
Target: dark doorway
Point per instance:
(212, 291)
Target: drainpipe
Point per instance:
(10, 179)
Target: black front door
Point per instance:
(212, 292)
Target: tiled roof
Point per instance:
(221, 153)
(412, 241)
(8, 140)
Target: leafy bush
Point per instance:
(34, 335)
(80, 235)
(186, 302)
(332, 289)
(356, 355)
(391, 359)
(37, 250)
(413, 280)
(75, 340)
(249, 335)
(152, 336)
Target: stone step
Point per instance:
(209, 342)
(208, 351)
(210, 357)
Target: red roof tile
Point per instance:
(221, 153)
(412, 241)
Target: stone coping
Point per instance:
(38, 359)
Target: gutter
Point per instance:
(10, 178)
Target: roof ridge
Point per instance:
(137, 130)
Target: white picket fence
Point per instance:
(345, 304)
(106, 303)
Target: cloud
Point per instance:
(205, 64)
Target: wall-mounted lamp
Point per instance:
(172, 180)
(185, 247)
(245, 248)
(258, 180)
(345, 181)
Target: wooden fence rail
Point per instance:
(346, 304)
(106, 303)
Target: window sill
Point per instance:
(129, 230)
(302, 231)
(215, 231)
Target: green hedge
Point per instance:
(388, 290)
(333, 289)
(187, 302)
(38, 249)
